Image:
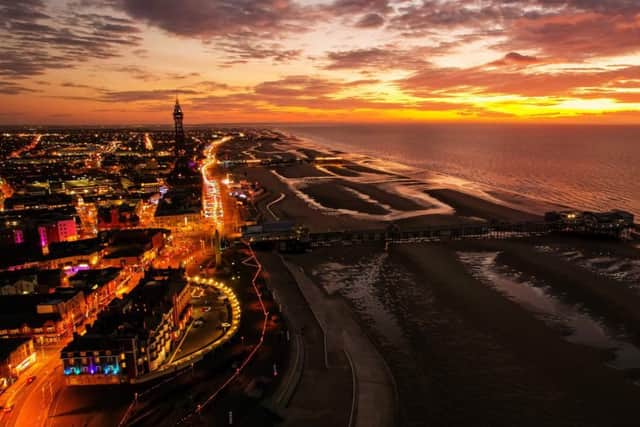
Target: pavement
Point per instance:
(324, 390)
(374, 396)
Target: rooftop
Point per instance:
(9, 345)
(136, 314)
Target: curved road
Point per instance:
(279, 199)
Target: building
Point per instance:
(47, 318)
(132, 247)
(613, 223)
(29, 281)
(74, 255)
(25, 235)
(44, 201)
(99, 287)
(117, 216)
(56, 231)
(179, 208)
(133, 336)
(16, 355)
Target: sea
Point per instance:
(590, 167)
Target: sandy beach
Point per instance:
(462, 352)
(470, 206)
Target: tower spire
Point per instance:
(177, 121)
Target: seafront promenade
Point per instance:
(374, 397)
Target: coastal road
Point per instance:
(31, 401)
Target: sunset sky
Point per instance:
(123, 61)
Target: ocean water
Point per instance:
(584, 167)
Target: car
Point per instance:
(31, 379)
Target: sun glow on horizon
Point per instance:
(319, 61)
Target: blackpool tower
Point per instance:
(177, 120)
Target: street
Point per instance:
(30, 401)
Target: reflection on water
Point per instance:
(626, 270)
(582, 327)
(590, 167)
(356, 283)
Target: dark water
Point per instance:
(588, 167)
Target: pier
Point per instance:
(393, 234)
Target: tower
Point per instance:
(177, 121)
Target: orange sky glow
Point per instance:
(240, 61)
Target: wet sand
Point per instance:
(295, 209)
(301, 170)
(601, 295)
(471, 206)
(463, 354)
(383, 196)
(339, 170)
(334, 196)
(470, 356)
(365, 169)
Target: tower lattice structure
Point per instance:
(179, 130)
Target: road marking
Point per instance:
(276, 217)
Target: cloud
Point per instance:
(11, 88)
(482, 81)
(240, 50)
(210, 18)
(379, 58)
(34, 41)
(577, 36)
(570, 29)
(371, 20)
(515, 59)
(312, 94)
(356, 7)
(143, 95)
(297, 86)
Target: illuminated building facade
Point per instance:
(16, 355)
(211, 203)
(133, 336)
(47, 318)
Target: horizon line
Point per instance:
(318, 123)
